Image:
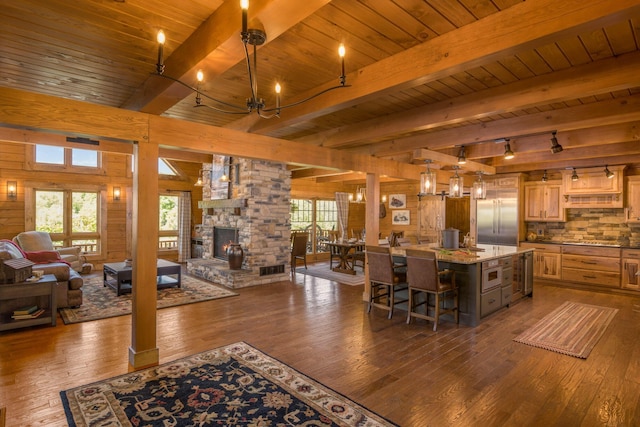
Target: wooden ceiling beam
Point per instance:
(604, 76)
(445, 159)
(530, 24)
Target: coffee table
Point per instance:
(117, 275)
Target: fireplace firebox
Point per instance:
(222, 237)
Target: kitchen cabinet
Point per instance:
(630, 269)
(591, 265)
(633, 199)
(543, 202)
(593, 189)
(547, 260)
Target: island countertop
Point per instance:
(464, 256)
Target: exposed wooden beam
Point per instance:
(469, 166)
(596, 78)
(530, 23)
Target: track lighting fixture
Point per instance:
(544, 176)
(555, 145)
(608, 173)
(574, 176)
(508, 154)
(462, 158)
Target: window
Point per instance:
(169, 215)
(319, 217)
(48, 157)
(70, 217)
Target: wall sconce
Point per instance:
(479, 188)
(574, 176)
(456, 184)
(12, 190)
(427, 181)
(462, 157)
(116, 194)
(383, 199)
(199, 182)
(608, 173)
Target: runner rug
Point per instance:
(100, 302)
(572, 329)
(235, 385)
(322, 270)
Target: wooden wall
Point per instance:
(15, 165)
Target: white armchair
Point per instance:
(36, 241)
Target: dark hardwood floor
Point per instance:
(407, 373)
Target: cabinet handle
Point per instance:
(588, 277)
(588, 262)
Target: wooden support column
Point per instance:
(372, 223)
(144, 351)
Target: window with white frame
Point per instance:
(169, 222)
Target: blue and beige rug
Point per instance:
(235, 385)
(100, 302)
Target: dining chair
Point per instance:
(423, 276)
(385, 279)
(298, 249)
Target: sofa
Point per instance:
(37, 241)
(69, 282)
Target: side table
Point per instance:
(45, 287)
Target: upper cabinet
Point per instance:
(633, 199)
(543, 201)
(592, 188)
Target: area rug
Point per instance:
(235, 385)
(100, 302)
(322, 270)
(572, 329)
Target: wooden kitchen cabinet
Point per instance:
(630, 274)
(591, 265)
(593, 181)
(633, 199)
(543, 202)
(547, 260)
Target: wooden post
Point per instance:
(372, 223)
(144, 351)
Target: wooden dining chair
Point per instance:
(385, 279)
(298, 249)
(423, 276)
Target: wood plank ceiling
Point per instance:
(426, 75)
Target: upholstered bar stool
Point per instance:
(385, 279)
(423, 276)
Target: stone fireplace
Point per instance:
(256, 216)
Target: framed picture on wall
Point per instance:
(397, 201)
(401, 217)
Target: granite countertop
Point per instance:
(463, 256)
(604, 244)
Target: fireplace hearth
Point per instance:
(222, 237)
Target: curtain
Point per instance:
(184, 227)
(342, 205)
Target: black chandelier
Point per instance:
(254, 37)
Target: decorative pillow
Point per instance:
(43, 257)
(9, 250)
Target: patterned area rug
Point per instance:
(100, 302)
(572, 329)
(322, 270)
(235, 385)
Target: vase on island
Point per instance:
(235, 256)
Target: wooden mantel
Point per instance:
(235, 204)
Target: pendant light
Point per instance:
(427, 181)
(456, 184)
(479, 188)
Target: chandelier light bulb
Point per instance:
(200, 76)
(161, 37)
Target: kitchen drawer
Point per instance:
(506, 295)
(542, 247)
(591, 251)
(507, 261)
(599, 278)
(591, 263)
(507, 276)
(490, 302)
(631, 253)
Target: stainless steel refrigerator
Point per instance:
(497, 215)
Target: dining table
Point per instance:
(345, 251)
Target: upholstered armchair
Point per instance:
(40, 241)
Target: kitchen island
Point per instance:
(488, 277)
